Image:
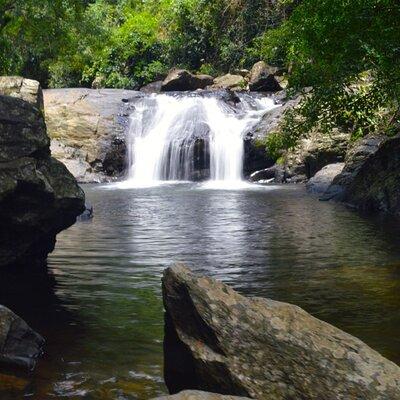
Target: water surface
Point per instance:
(101, 309)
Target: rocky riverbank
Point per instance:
(219, 341)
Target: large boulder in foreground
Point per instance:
(219, 341)
(38, 196)
(198, 395)
(370, 179)
(87, 131)
(20, 346)
(182, 80)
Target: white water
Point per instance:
(174, 138)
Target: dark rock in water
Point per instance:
(38, 196)
(274, 173)
(219, 341)
(182, 80)
(321, 181)
(153, 87)
(255, 157)
(87, 214)
(198, 395)
(20, 346)
(370, 179)
(262, 78)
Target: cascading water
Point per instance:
(190, 137)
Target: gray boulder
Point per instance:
(22, 88)
(262, 78)
(229, 81)
(20, 346)
(182, 80)
(87, 131)
(219, 341)
(198, 395)
(321, 181)
(38, 196)
(371, 176)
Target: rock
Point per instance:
(87, 215)
(371, 176)
(153, 87)
(262, 78)
(233, 82)
(22, 88)
(182, 80)
(255, 157)
(99, 82)
(219, 341)
(313, 153)
(87, 128)
(274, 173)
(38, 196)
(20, 346)
(321, 181)
(198, 395)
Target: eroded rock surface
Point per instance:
(370, 179)
(87, 130)
(198, 395)
(38, 196)
(20, 346)
(219, 341)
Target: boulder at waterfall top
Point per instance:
(38, 196)
(87, 131)
(182, 80)
(370, 179)
(262, 78)
(20, 346)
(219, 341)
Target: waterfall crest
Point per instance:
(189, 137)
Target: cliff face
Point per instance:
(86, 128)
(38, 196)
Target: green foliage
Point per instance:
(328, 45)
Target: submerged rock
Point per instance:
(219, 341)
(198, 395)
(371, 176)
(20, 346)
(38, 196)
(182, 80)
(321, 181)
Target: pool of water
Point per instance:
(100, 307)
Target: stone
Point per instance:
(273, 173)
(87, 131)
(38, 196)
(153, 87)
(219, 341)
(228, 81)
(198, 395)
(262, 78)
(371, 175)
(22, 88)
(321, 181)
(20, 346)
(182, 80)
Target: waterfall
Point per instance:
(190, 137)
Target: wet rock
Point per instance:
(87, 215)
(182, 80)
(321, 181)
(87, 129)
(371, 176)
(262, 78)
(20, 346)
(274, 173)
(219, 341)
(38, 196)
(255, 157)
(198, 395)
(153, 87)
(228, 81)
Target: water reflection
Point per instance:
(104, 311)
